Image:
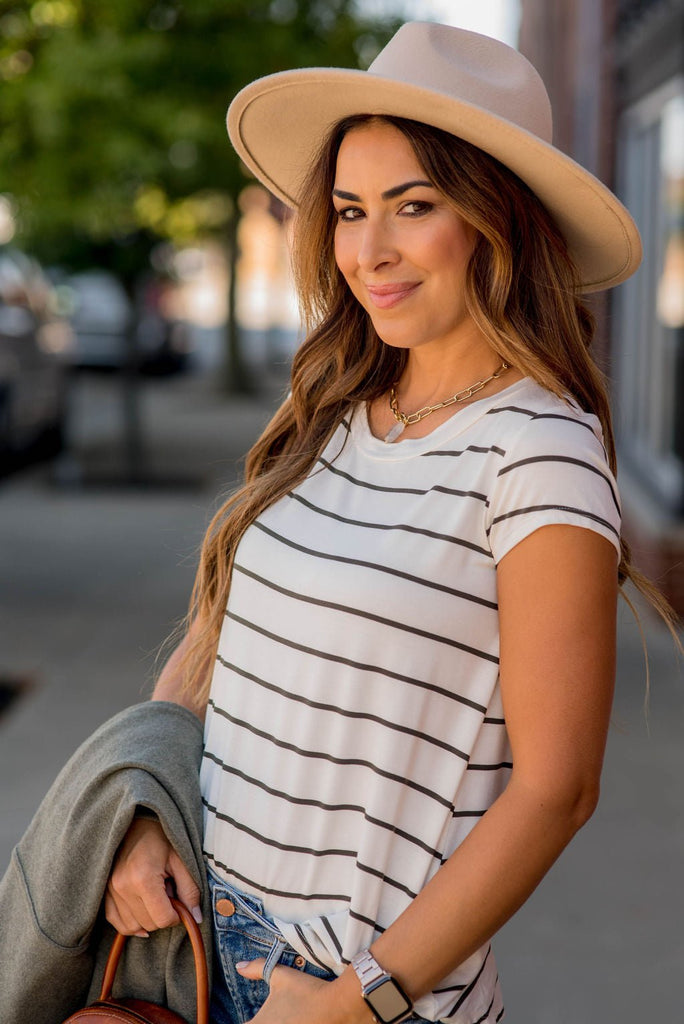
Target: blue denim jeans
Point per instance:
(243, 932)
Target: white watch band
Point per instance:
(367, 968)
(383, 994)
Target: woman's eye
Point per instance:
(349, 213)
(416, 208)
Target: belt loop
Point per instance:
(273, 958)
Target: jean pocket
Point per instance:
(291, 958)
(241, 938)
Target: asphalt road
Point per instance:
(94, 573)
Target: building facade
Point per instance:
(615, 73)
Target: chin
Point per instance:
(401, 339)
(394, 342)
(396, 335)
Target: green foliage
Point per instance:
(112, 114)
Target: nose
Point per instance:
(376, 246)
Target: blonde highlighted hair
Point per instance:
(522, 291)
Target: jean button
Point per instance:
(226, 908)
(299, 960)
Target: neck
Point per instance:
(431, 376)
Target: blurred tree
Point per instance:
(112, 115)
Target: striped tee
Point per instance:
(355, 732)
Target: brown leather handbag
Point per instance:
(106, 1010)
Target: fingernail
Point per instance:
(241, 964)
(143, 935)
(197, 914)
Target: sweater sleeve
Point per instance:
(555, 472)
(52, 942)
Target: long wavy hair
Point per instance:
(522, 291)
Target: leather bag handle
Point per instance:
(201, 976)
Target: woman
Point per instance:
(403, 626)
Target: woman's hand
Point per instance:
(297, 998)
(136, 900)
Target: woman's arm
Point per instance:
(170, 684)
(557, 604)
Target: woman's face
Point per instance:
(401, 248)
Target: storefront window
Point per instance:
(649, 322)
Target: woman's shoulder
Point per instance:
(554, 470)
(546, 419)
(531, 397)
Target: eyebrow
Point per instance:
(391, 193)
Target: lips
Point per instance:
(386, 295)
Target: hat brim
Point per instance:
(277, 124)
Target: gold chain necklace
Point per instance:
(405, 420)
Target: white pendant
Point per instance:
(394, 433)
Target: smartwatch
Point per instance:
(383, 994)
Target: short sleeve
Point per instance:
(555, 472)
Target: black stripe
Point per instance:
(466, 992)
(543, 416)
(554, 508)
(500, 1014)
(486, 1013)
(229, 769)
(493, 721)
(563, 458)
(275, 892)
(404, 627)
(568, 419)
(385, 878)
(389, 526)
(321, 755)
(308, 948)
(478, 449)
(366, 920)
(288, 848)
(449, 988)
(376, 567)
(336, 710)
(468, 814)
(335, 941)
(440, 488)
(511, 408)
(572, 419)
(338, 659)
(489, 767)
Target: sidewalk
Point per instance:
(93, 578)
(91, 581)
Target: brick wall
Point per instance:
(593, 58)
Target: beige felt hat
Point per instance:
(470, 85)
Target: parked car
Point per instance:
(34, 341)
(113, 333)
(101, 316)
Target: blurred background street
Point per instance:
(147, 325)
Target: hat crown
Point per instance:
(470, 68)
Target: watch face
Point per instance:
(387, 1001)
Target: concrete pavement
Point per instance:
(93, 578)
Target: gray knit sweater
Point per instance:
(53, 937)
